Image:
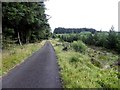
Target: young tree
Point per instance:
(89, 39)
(111, 39)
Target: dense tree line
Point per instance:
(24, 22)
(109, 40)
(73, 30)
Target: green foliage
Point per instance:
(89, 40)
(118, 43)
(54, 35)
(100, 39)
(69, 37)
(25, 21)
(77, 70)
(79, 46)
(112, 39)
(73, 30)
(109, 40)
(74, 59)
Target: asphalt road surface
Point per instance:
(39, 71)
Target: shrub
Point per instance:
(79, 46)
(74, 59)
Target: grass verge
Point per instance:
(16, 54)
(77, 70)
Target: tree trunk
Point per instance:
(19, 39)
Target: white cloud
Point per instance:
(98, 14)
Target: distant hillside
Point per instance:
(73, 30)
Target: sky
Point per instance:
(97, 14)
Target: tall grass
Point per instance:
(17, 54)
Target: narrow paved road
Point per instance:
(38, 71)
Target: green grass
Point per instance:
(16, 54)
(77, 70)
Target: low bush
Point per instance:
(74, 59)
(79, 46)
